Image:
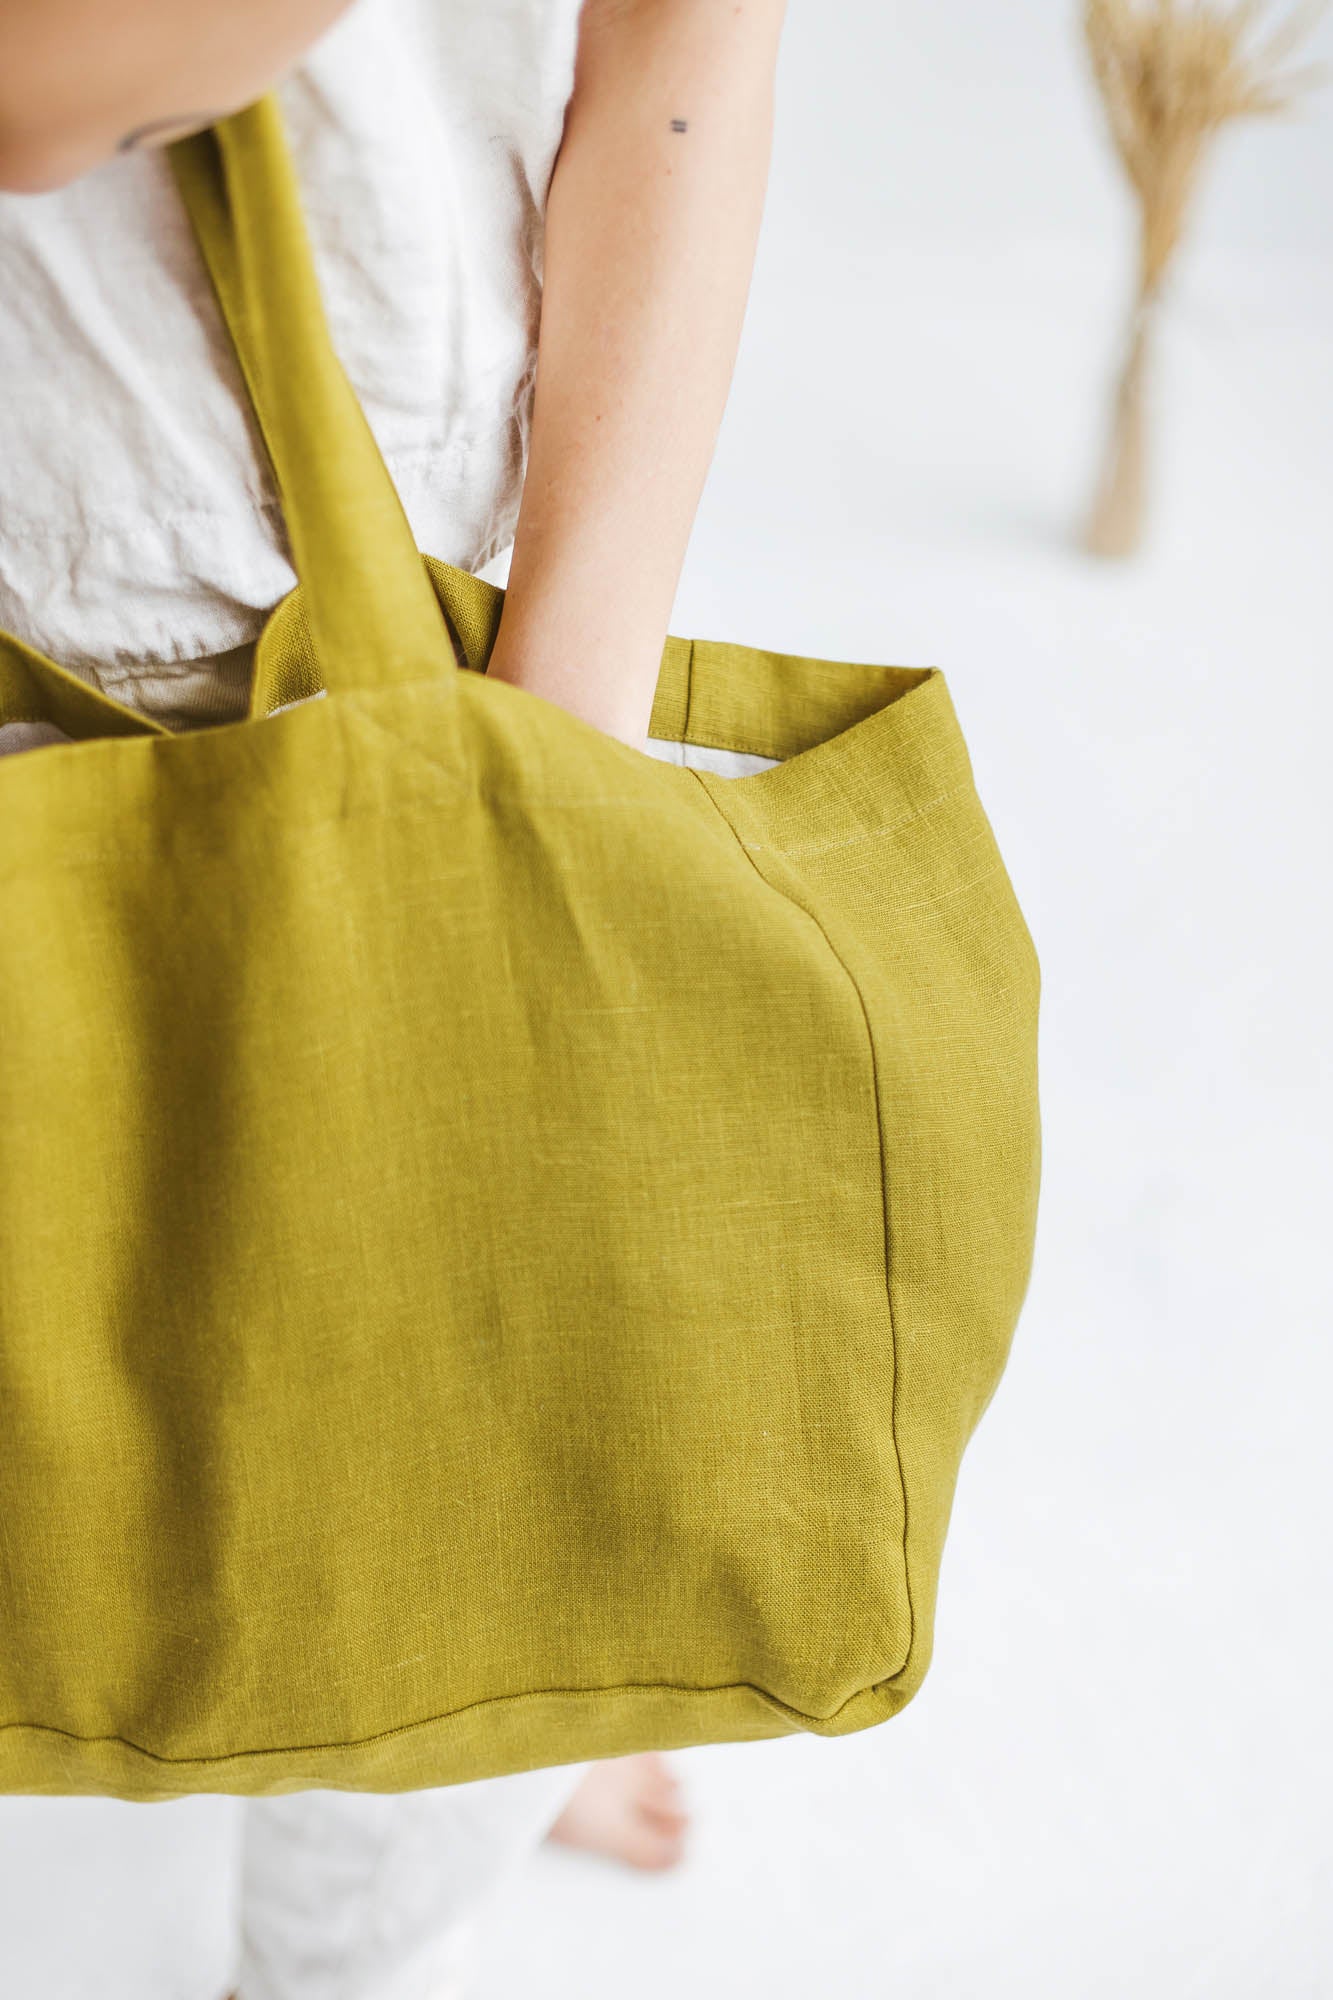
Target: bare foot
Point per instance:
(626, 1808)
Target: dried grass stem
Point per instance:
(1171, 74)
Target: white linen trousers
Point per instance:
(381, 1896)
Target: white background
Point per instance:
(1118, 1775)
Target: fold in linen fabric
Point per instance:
(15, 736)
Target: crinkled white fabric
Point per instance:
(140, 537)
(381, 1896)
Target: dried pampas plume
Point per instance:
(1171, 76)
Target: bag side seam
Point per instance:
(782, 890)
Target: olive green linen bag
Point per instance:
(504, 1238)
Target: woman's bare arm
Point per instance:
(652, 220)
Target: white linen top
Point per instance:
(140, 538)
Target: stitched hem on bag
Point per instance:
(489, 1701)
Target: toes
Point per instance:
(666, 1818)
(645, 1848)
(628, 1809)
(656, 1780)
(651, 1770)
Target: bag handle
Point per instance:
(373, 615)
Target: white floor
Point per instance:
(1118, 1776)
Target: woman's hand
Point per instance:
(651, 224)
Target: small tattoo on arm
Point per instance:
(679, 125)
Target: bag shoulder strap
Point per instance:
(373, 617)
(369, 610)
